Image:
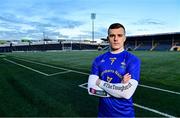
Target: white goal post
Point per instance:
(66, 47)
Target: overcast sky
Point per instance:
(71, 19)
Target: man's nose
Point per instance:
(115, 38)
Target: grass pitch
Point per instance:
(46, 84)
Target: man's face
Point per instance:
(116, 39)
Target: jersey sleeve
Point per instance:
(94, 67)
(134, 68)
(120, 90)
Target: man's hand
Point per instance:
(98, 81)
(126, 78)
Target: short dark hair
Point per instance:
(116, 26)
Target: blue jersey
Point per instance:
(111, 68)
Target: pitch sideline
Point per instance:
(37, 71)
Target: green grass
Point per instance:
(27, 93)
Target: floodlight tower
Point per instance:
(43, 35)
(93, 17)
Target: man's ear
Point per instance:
(107, 38)
(124, 38)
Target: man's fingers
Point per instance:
(126, 78)
(98, 82)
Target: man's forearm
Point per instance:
(120, 90)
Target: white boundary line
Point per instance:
(153, 110)
(52, 66)
(145, 86)
(142, 107)
(82, 86)
(37, 71)
(58, 73)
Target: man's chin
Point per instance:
(115, 49)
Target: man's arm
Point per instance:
(93, 89)
(120, 90)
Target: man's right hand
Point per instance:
(126, 78)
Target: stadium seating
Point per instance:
(159, 42)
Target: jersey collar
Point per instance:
(116, 52)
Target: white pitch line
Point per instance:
(140, 106)
(58, 73)
(29, 68)
(155, 111)
(145, 86)
(52, 66)
(82, 86)
(37, 71)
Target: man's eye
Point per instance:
(111, 35)
(120, 35)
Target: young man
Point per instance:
(114, 76)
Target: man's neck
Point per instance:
(117, 51)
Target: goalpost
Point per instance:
(66, 46)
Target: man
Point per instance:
(114, 76)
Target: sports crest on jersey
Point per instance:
(123, 64)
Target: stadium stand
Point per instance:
(159, 42)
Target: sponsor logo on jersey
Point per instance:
(102, 61)
(113, 72)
